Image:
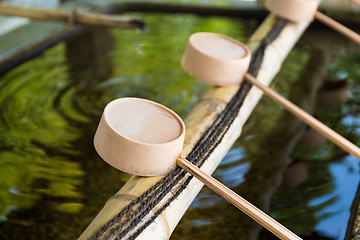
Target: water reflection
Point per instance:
(53, 183)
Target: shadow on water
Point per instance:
(53, 183)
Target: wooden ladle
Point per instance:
(145, 138)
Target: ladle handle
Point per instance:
(338, 27)
(307, 118)
(249, 209)
(357, 2)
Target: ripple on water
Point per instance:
(50, 107)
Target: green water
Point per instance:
(53, 183)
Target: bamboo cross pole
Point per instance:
(338, 27)
(71, 16)
(259, 216)
(357, 2)
(307, 118)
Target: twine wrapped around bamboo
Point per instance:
(71, 16)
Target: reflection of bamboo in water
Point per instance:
(261, 183)
(307, 118)
(249, 209)
(304, 116)
(338, 27)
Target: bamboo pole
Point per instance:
(307, 118)
(338, 27)
(259, 216)
(199, 119)
(71, 16)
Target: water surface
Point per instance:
(53, 183)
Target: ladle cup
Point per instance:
(145, 138)
(293, 10)
(139, 136)
(306, 11)
(216, 59)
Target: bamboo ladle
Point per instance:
(145, 138)
(300, 10)
(204, 59)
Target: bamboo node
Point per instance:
(73, 17)
(123, 196)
